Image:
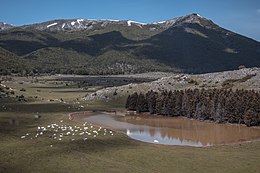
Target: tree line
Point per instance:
(219, 105)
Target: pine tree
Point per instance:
(132, 102)
(151, 101)
(141, 105)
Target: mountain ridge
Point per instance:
(82, 24)
(190, 43)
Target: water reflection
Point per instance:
(175, 131)
(147, 136)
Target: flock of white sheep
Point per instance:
(60, 131)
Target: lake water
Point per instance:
(174, 131)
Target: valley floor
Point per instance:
(53, 99)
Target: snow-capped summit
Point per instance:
(193, 18)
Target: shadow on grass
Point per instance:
(15, 116)
(12, 124)
(36, 107)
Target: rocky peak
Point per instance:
(4, 26)
(193, 18)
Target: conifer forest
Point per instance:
(218, 105)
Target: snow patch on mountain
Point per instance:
(80, 20)
(199, 15)
(111, 20)
(53, 24)
(159, 22)
(129, 23)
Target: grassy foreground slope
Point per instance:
(116, 153)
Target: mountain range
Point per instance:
(190, 43)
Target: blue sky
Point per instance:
(241, 16)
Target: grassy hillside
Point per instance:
(195, 49)
(60, 60)
(11, 63)
(56, 59)
(188, 47)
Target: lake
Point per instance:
(173, 130)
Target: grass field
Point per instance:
(116, 153)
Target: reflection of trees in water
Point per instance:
(195, 131)
(152, 131)
(212, 134)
